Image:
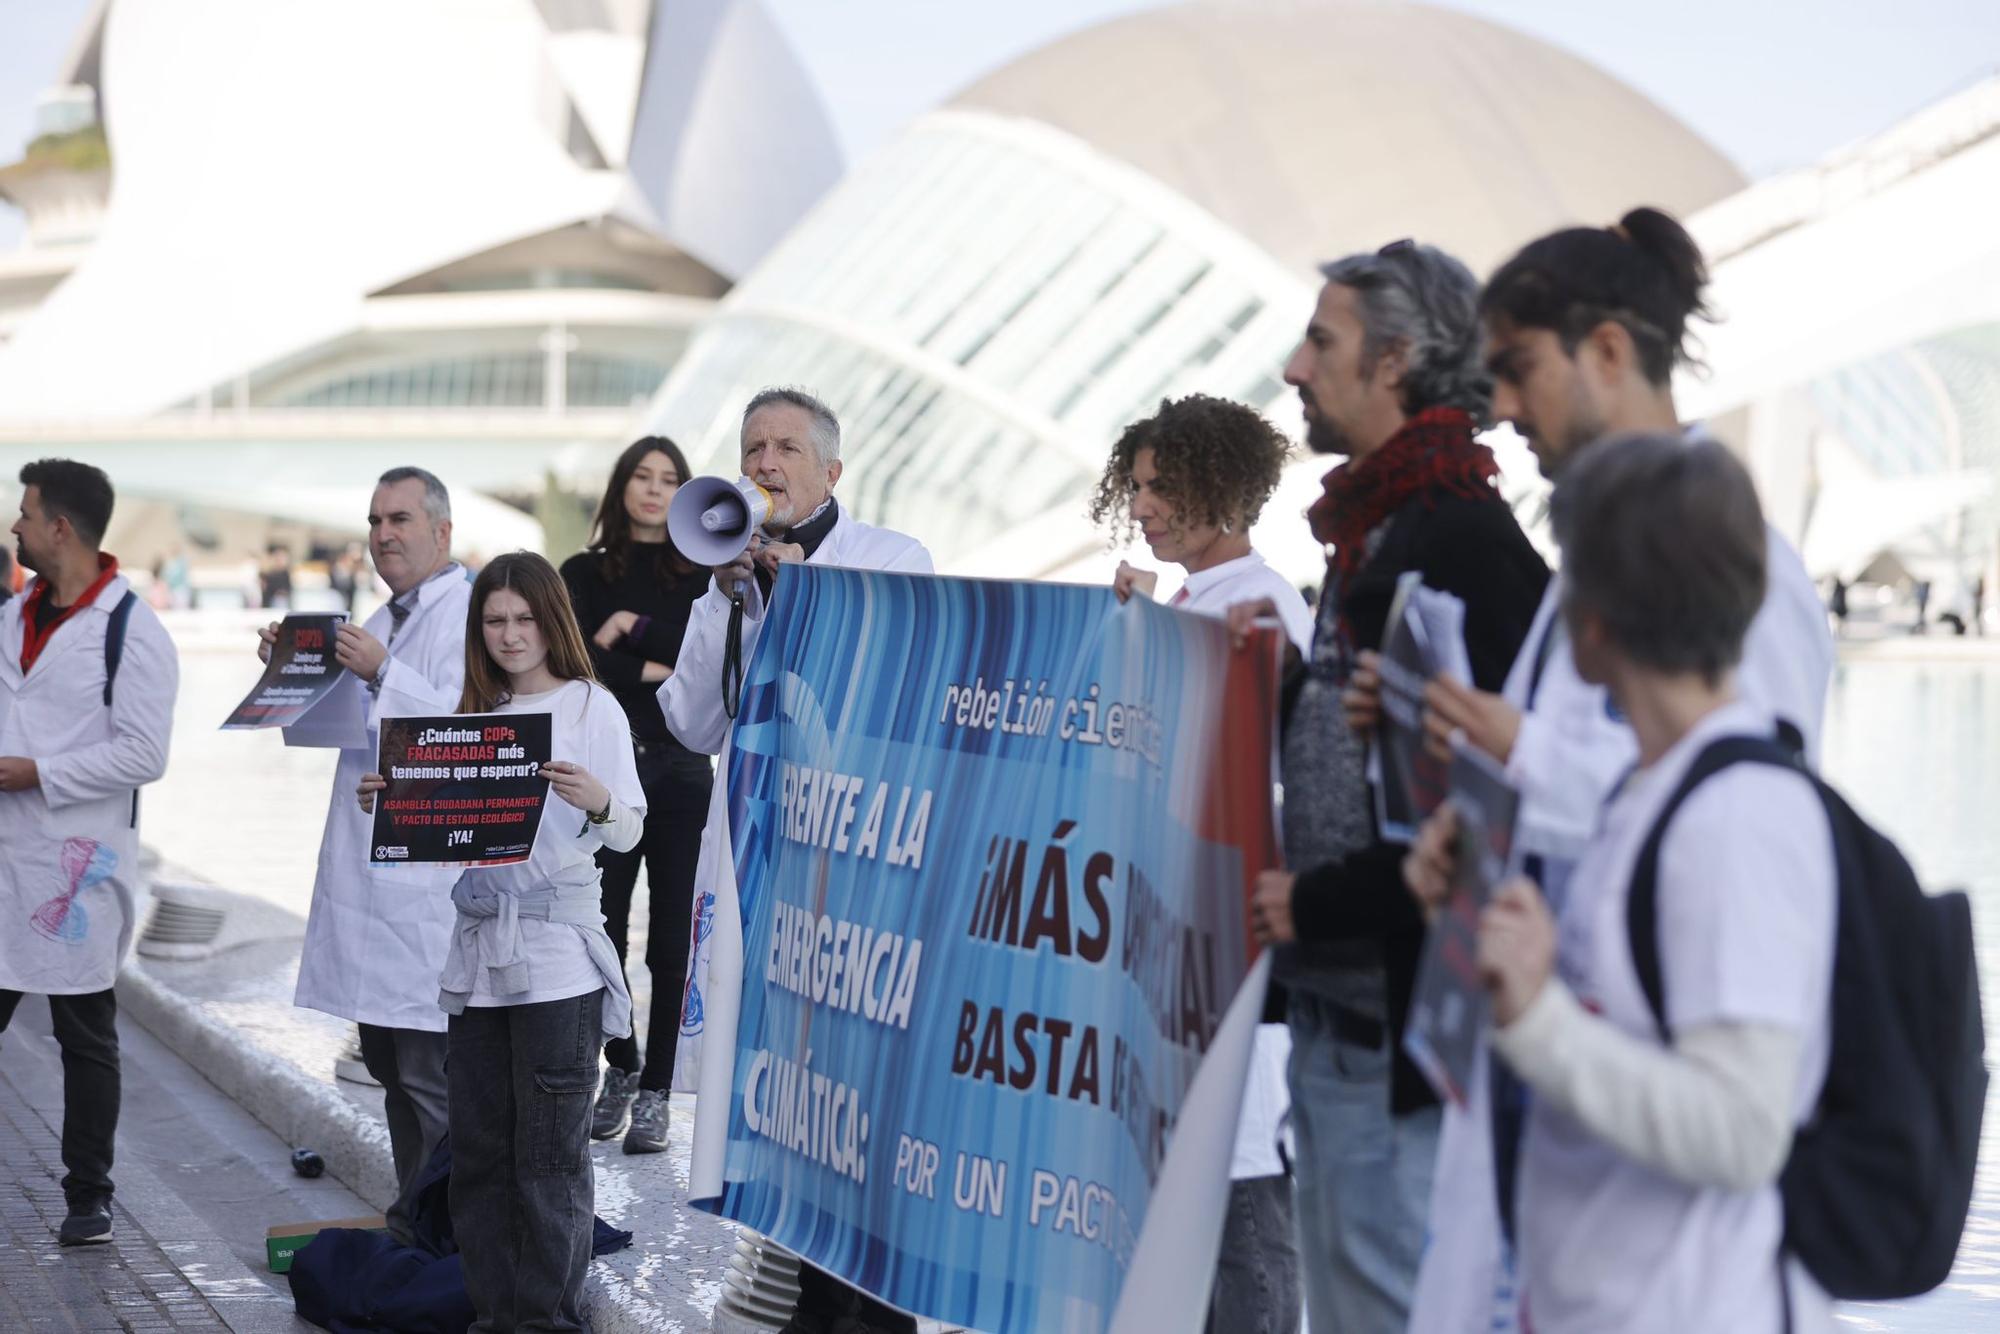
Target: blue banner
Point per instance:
(993, 846)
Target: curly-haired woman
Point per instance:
(1191, 479)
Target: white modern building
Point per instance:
(1860, 346)
(273, 249)
(1136, 211)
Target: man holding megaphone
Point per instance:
(782, 509)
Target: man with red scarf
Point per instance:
(1390, 376)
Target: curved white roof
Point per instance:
(273, 165)
(1317, 129)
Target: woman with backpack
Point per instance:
(1648, 1194)
(531, 981)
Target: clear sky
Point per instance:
(1772, 83)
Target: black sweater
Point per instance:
(665, 600)
(1476, 550)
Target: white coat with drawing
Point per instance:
(69, 879)
(691, 699)
(376, 937)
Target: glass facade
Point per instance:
(492, 380)
(1926, 410)
(987, 303)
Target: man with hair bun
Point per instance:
(1389, 376)
(1584, 329)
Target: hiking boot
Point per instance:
(649, 1123)
(88, 1224)
(614, 1104)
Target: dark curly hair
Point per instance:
(1218, 462)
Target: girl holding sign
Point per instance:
(531, 982)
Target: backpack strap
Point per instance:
(1642, 907)
(114, 641)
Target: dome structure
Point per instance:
(1318, 128)
(1134, 212)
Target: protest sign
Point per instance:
(462, 788)
(1424, 635)
(1449, 1005)
(993, 847)
(301, 673)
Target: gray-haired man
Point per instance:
(1390, 375)
(375, 940)
(791, 447)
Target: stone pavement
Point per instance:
(128, 1284)
(231, 1017)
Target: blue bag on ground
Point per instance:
(351, 1281)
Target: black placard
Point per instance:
(463, 788)
(301, 673)
(1449, 1004)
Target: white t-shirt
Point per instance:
(1213, 591)
(1747, 902)
(587, 727)
(1266, 1095)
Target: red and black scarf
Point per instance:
(1433, 453)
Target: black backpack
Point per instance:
(1880, 1178)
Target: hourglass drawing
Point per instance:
(85, 862)
(691, 1003)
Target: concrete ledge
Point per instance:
(299, 1109)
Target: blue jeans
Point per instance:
(1257, 1271)
(522, 1079)
(1363, 1177)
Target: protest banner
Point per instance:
(462, 788)
(993, 847)
(301, 673)
(1449, 1005)
(1424, 635)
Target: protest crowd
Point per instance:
(1662, 952)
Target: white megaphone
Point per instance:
(711, 520)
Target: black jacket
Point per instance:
(664, 599)
(1476, 550)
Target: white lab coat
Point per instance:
(69, 879)
(691, 699)
(376, 937)
(1571, 751)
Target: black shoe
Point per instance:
(88, 1224)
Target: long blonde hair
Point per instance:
(486, 685)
